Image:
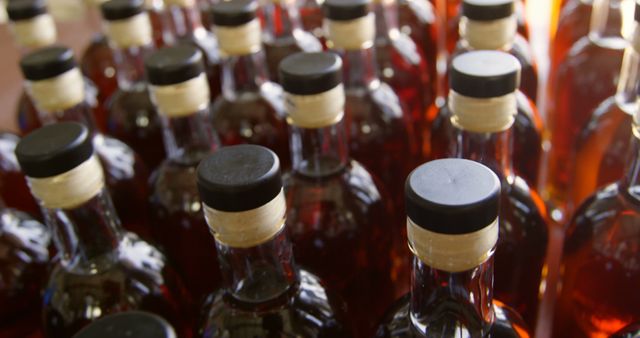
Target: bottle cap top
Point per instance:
(234, 13)
(310, 73)
(172, 65)
(485, 74)
(342, 10)
(239, 178)
(47, 63)
(128, 324)
(18, 10)
(487, 10)
(121, 9)
(452, 196)
(54, 149)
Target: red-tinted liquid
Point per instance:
(311, 16)
(276, 51)
(27, 115)
(209, 49)
(573, 24)
(13, 186)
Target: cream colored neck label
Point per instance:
(59, 93)
(182, 99)
(452, 253)
(483, 115)
(130, 32)
(489, 35)
(316, 111)
(352, 34)
(70, 189)
(36, 32)
(239, 40)
(246, 229)
(181, 3)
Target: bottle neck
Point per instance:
(626, 95)
(188, 139)
(386, 13)
(359, 68)
(607, 24)
(631, 180)
(130, 66)
(491, 149)
(281, 19)
(319, 152)
(242, 74)
(184, 21)
(447, 304)
(81, 113)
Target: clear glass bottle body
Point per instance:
(311, 17)
(13, 187)
(573, 24)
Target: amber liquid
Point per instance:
(134, 120)
(630, 331)
(209, 49)
(341, 229)
(573, 24)
(13, 186)
(180, 227)
(24, 258)
(600, 265)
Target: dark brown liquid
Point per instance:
(600, 265)
(180, 227)
(342, 231)
(134, 120)
(276, 51)
(208, 47)
(24, 258)
(311, 17)
(27, 115)
(14, 190)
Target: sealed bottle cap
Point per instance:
(47, 63)
(452, 196)
(310, 73)
(121, 9)
(342, 10)
(485, 74)
(136, 324)
(54, 149)
(173, 65)
(239, 178)
(18, 10)
(234, 13)
(487, 10)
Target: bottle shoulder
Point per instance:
(174, 186)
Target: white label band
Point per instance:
(489, 35)
(240, 40)
(182, 99)
(71, 189)
(452, 253)
(352, 34)
(485, 115)
(249, 228)
(316, 111)
(130, 32)
(59, 93)
(36, 32)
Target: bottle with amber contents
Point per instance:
(311, 18)
(452, 223)
(600, 261)
(339, 220)
(573, 24)
(102, 269)
(251, 108)
(264, 293)
(138, 324)
(56, 86)
(483, 107)
(13, 188)
(179, 89)
(132, 118)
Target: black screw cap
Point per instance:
(485, 74)
(310, 73)
(173, 65)
(46, 63)
(18, 10)
(343, 10)
(487, 10)
(234, 13)
(121, 9)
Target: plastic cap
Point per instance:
(47, 63)
(234, 13)
(452, 196)
(127, 325)
(121, 9)
(487, 10)
(342, 10)
(485, 74)
(310, 73)
(25, 9)
(239, 178)
(173, 65)
(54, 149)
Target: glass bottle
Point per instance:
(600, 262)
(184, 24)
(13, 188)
(55, 85)
(573, 24)
(527, 136)
(132, 118)
(128, 324)
(483, 104)
(180, 91)
(24, 261)
(311, 18)
(102, 269)
(380, 130)
(339, 219)
(603, 144)
(283, 34)
(630, 331)
(490, 26)
(452, 222)
(264, 293)
(251, 108)
(587, 77)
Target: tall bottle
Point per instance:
(251, 108)
(264, 293)
(102, 269)
(179, 89)
(24, 258)
(452, 223)
(585, 78)
(283, 34)
(128, 324)
(599, 264)
(338, 218)
(380, 131)
(13, 188)
(132, 118)
(527, 139)
(603, 145)
(483, 105)
(184, 23)
(573, 24)
(55, 85)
